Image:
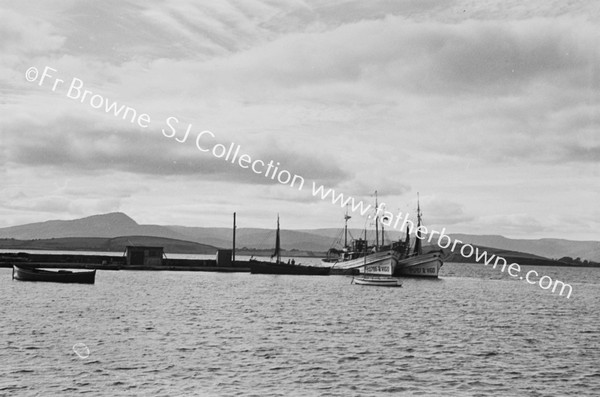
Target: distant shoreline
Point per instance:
(116, 247)
(241, 252)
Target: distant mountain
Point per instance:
(110, 225)
(117, 244)
(510, 256)
(337, 235)
(255, 238)
(546, 247)
(117, 224)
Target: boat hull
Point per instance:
(61, 276)
(379, 264)
(257, 267)
(426, 265)
(377, 281)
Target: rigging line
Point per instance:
(265, 242)
(338, 239)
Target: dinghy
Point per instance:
(59, 276)
(377, 281)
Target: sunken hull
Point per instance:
(60, 276)
(257, 267)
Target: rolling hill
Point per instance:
(116, 244)
(117, 224)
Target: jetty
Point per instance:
(134, 258)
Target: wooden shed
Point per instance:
(224, 257)
(144, 256)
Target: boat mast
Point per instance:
(277, 243)
(418, 248)
(233, 250)
(365, 245)
(383, 232)
(407, 241)
(376, 224)
(346, 217)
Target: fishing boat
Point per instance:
(417, 263)
(347, 252)
(423, 265)
(378, 263)
(279, 267)
(377, 281)
(377, 260)
(60, 276)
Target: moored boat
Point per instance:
(279, 267)
(357, 249)
(259, 267)
(60, 276)
(359, 256)
(378, 263)
(417, 263)
(424, 265)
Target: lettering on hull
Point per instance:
(418, 270)
(378, 269)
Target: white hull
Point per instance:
(379, 263)
(427, 265)
(377, 281)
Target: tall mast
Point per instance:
(233, 250)
(407, 241)
(346, 217)
(365, 248)
(383, 232)
(376, 223)
(278, 243)
(418, 248)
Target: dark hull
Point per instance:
(33, 274)
(284, 268)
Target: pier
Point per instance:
(139, 258)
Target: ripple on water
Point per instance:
(173, 333)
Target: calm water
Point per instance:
(183, 333)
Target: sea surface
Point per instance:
(473, 332)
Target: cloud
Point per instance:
(471, 57)
(582, 154)
(511, 224)
(64, 205)
(430, 96)
(363, 186)
(443, 212)
(70, 143)
(27, 35)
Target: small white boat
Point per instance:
(377, 281)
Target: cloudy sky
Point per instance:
(488, 109)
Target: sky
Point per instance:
(489, 110)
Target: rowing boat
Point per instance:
(377, 281)
(60, 276)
